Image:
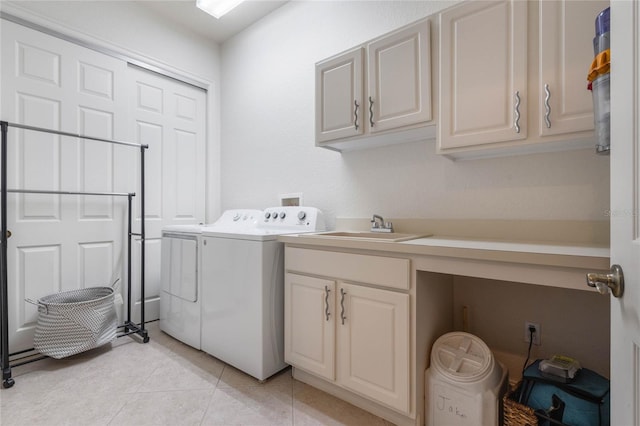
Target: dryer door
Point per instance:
(179, 266)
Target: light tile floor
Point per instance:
(163, 382)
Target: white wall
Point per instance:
(129, 27)
(268, 135)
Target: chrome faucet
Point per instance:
(379, 225)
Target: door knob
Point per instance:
(604, 282)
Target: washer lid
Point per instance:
(462, 357)
(184, 229)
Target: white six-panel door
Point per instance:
(625, 217)
(62, 242)
(169, 116)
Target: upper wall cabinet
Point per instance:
(483, 73)
(565, 30)
(339, 110)
(513, 76)
(399, 79)
(376, 94)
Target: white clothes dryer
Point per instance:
(243, 291)
(181, 278)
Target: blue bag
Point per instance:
(585, 401)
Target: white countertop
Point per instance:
(521, 247)
(549, 264)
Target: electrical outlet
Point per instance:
(536, 334)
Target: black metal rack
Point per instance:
(128, 327)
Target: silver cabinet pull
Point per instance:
(546, 106)
(355, 113)
(342, 292)
(326, 302)
(516, 113)
(370, 111)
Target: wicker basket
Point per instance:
(75, 321)
(516, 414)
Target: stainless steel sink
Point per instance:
(368, 236)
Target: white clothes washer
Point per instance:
(181, 278)
(243, 291)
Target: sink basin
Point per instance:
(368, 236)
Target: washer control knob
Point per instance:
(301, 215)
(275, 215)
(236, 217)
(267, 215)
(283, 215)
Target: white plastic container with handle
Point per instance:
(464, 384)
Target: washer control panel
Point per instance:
(304, 219)
(239, 218)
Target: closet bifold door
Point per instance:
(62, 242)
(170, 117)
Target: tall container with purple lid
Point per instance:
(599, 82)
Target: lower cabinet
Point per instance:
(309, 326)
(353, 335)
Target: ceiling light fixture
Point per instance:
(217, 8)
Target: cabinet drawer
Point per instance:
(384, 271)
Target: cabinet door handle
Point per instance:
(547, 107)
(370, 111)
(342, 317)
(516, 113)
(326, 302)
(355, 113)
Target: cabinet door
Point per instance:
(373, 344)
(565, 53)
(399, 79)
(309, 326)
(339, 111)
(483, 73)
